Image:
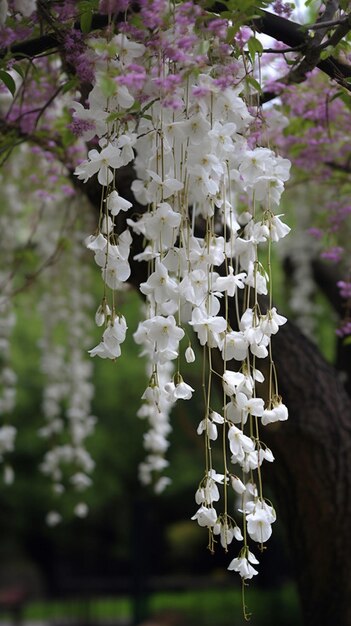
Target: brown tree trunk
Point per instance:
(311, 477)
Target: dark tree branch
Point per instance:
(46, 43)
(291, 33)
(339, 33)
(296, 35)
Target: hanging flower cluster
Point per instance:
(68, 388)
(169, 97)
(8, 377)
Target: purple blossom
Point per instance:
(242, 36)
(218, 27)
(152, 13)
(43, 194)
(344, 288)
(8, 36)
(344, 329)
(134, 78)
(79, 127)
(67, 10)
(187, 42)
(169, 83)
(282, 8)
(67, 190)
(333, 254)
(201, 91)
(316, 233)
(173, 102)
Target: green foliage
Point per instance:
(255, 47)
(208, 606)
(86, 10)
(8, 81)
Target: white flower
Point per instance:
(7, 438)
(126, 143)
(164, 332)
(269, 323)
(226, 532)
(127, 49)
(243, 566)
(96, 242)
(26, 7)
(162, 189)
(81, 481)
(231, 381)
(114, 335)
(155, 441)
(189, 355)
(103, 352)
(81, 509)
(100, 163)
(277, 228)
(162, 225)
(237, 485)
(230, 282)
(161, 484)
(279, 412)
(208, 425)
(196, 128)
(102, 313)
(113, 262)
(181, 391)
(159, 285)
(3, 11)
(9, 475)
(115, 203)
(235, 346)
(239, 443)
(207, 327)
(205, 516)
(259, 522)
(53, 518)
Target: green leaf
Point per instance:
(231, 32)
(327, 52)
(85, 22)
(108, 86)
(254, 83)
(71, 84)
(8, 81)
(19, 69)
(255, 47)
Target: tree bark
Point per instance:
(311, 477)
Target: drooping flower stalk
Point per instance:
(8, 378)
(68, 389)
(170, 97)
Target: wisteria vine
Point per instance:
(169, 96)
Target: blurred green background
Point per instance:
(136, 554)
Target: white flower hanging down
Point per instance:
(181, 118)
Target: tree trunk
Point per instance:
(311, 477)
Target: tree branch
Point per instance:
(295, 35)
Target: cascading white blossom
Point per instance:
(210, 199)
(67, 394)
(8, 377)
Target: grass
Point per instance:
(221, 607)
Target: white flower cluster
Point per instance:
(8, 377)
(209, 200)
(24, 7)
(68, 391)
